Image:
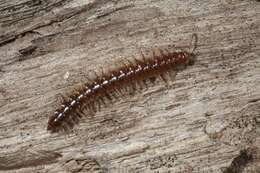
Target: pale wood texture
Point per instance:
(206, 121)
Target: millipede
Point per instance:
(108, 86)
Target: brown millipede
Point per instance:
(105, 86)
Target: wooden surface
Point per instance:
(208, 120)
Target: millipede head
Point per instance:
(189, 56)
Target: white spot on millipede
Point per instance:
(105, 82)
(96, 86)
(113, 79)
(59, 116)
(80, 96)
(88, 91)
(121, 75)
(73, 102)
(67, 108)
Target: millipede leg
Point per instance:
(98, 104)
(71, 121)
(140, 85)
(115, 94)
(95, 73)
(145, 83)
(143, 56)
(108, 97)
(80, 113)
(164, 78)
(65, 127)
(152, 80)
(133, 86)
(141, 63)
(91, 108)
(162, 54)
(130, 63)
(62, 98)
(102, 101)
(172, 74)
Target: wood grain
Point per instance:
(207, 120)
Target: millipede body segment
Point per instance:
(104, 86)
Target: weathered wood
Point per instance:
(208, 120)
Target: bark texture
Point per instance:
(207, 120)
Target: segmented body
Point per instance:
(103, 86)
